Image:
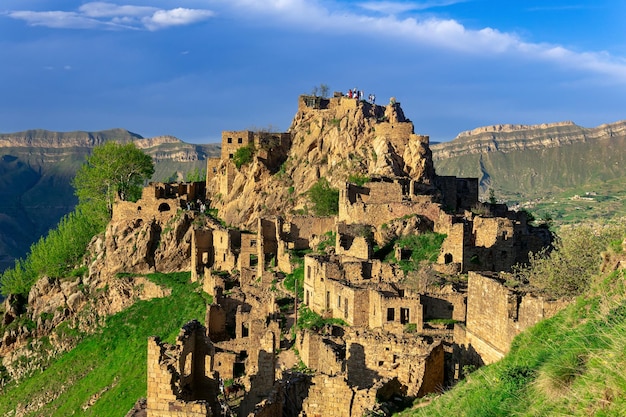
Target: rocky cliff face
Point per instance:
(343, 140)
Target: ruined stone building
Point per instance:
(497, 313)
(390, 345)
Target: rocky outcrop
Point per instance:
(346, 139)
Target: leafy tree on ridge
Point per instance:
(112, 169)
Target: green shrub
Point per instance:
(54, 255)
(325, 198)
(243, 156)
(569, 268)
(358, 179)
(308, 319)
(423, 247)
(328, 239)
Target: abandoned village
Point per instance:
(393, 330)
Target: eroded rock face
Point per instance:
(346, 139)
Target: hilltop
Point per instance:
(345, 140)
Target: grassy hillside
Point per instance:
(572, 364)
(106, 373)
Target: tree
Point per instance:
(196, 175)
(320, 91)
(112, 169)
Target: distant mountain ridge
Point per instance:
(37, 166)
(510, 138)
(520, 160)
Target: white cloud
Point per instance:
(396, 7)
(448, 34)
(103, 15)
(175, 17)
(56, 19)
(102, 9)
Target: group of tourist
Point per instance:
(358, 95)
(197, 205)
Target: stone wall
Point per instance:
(392, 311)
(444, 304)
(212, 165)
(453, 247)
(354, 240)
(180, 381)
(159, 201)
(201, 252)
(381, 202)
(303, 229)
(249, 251)
(329, 396)
(323, 353)
(496, 314)
(224, 242)
(379, 355)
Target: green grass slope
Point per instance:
(105, 373)
(570, 365)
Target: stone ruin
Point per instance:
(398, 341)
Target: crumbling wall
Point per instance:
(301, 230)
(446, 303)
(249, 252)
(317, 270)
(322, 353)
(380, 202)
(201, 252)
(392, 311)
(496, 314)
(329, 396)
(355, 240)
(373, 355)
(267, 242)
(453, 247)
(224, 243)
(180, 381)
(147, 207)
(212, 165)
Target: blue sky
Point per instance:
(192, 68)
